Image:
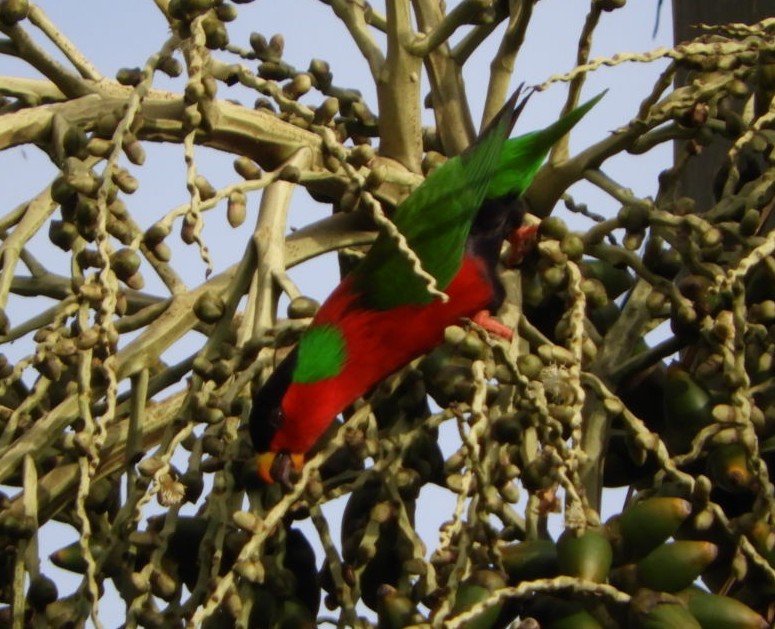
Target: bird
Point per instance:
(383, 314)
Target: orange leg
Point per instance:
(484, 319)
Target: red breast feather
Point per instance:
(378, 342)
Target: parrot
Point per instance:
(383, 315)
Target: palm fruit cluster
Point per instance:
(632, 552)
(580, 401)
(165, 557)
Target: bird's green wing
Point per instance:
(435, 220)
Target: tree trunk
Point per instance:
(687, 14)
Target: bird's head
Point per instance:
(278, 466)
(267, 418)
(299, 401)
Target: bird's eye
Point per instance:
(276, 418)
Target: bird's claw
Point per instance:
(484, 319)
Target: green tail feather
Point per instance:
(523, 156)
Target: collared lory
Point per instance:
(382, 315)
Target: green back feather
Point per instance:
(321, 354)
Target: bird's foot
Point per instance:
(523, 240)
(485, 320)
(279, 466)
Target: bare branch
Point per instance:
(430, 39)
(31, 91)
(560, 150)
(502, 65)
(85, 67)
(398, 92)
(353, 16)
(475, 38)
(448, 96)
(71, 84)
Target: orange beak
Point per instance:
(276, 466)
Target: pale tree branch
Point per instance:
(71, 84)
(502, 65)
(353, 16)
(448, 95)
(431, 38)
(31, 91)
(398, 92)
(85, 67)
(270, 253)
(560, 150)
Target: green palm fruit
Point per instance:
(71, 557)
(475, 589)
(321, 70)
(508, 428)
(63, 234)
(714, 611)
(265, 608)
(604, 316)
(236, 208)
(394, 610)
(674, 566)
(371, 538)
(688, 408)
(646, 524)
(301, 561)
(302, 307)
(668, 616)
(13, 11)
(326, 111)
(125, 262)
(553, 227)
(447, 375)
(615, 279)
(424, 456)
(125, 181)
(247, 168)
(103, 495)
(41, 592)
(209, 307)
(533, 291)
(664, 262)
(293, 614)
(555, 613)
(761, 534)
(530, 560)
(216, 36)
(155, 234)
(584, 554)
(728, 467)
